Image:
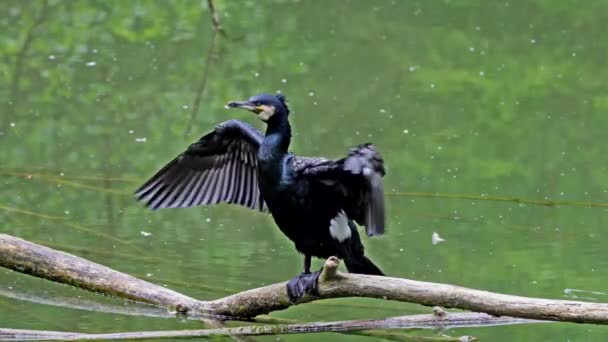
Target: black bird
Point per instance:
(313, 200)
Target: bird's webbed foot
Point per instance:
(306, 282)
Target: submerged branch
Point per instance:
(29, 258)
(547, 203)
(426, 321)
(68, 180)
(146, 310)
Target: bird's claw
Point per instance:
(301, 284)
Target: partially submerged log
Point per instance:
(32, 335)
(428, 321)
(33, 259)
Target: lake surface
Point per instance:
(467, 101)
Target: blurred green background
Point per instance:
(489, 99)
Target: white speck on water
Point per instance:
(256, 74)
(532, 41)
(61, 174)
(574, 54)
(471, 49)
(51, 57)
(432, 85)
(477, 28)
(185, 106)
(561, 194)
(413, 68)
(141, 140)
(315, 103)
(382, 110)
(440, 148)
(284, 80)
(91, 64)
(131, 131)
(12, 124)
(435, 238)
(148, 274)
(207, 220)
(67, 212)
(94, 51)
(400, 249)
(311, 94)
(145, 233)
(405, 131)
(481, 73)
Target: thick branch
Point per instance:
(44, 262)
(26, 257)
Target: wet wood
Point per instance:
(30, 258)
(427, 321)
(44, 262)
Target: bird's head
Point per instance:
(267, 107)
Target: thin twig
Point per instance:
(425, 321)
(547, 203)
(202, 85)
(215, 19)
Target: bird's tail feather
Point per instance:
(362, 265)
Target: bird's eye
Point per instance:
(257, 103)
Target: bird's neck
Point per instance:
(277, 139)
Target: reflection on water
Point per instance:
(492, 100)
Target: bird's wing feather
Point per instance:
(356, 180)
(220, 167)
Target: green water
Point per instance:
(461, 97)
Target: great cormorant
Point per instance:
(313, 200)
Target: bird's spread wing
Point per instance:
(220, 167)
(356, 181)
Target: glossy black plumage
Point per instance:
(220, 167)
(314, 201)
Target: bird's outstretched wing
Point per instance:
(220, 167)
(356, 181)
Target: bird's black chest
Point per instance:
(300, 209)
(302, 216)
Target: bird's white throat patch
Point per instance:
(266, 113)
(339, 228)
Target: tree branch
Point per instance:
(44, 262)
(202, 85)
(452, 321)
(427, 321)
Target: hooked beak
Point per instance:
(244, 105)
